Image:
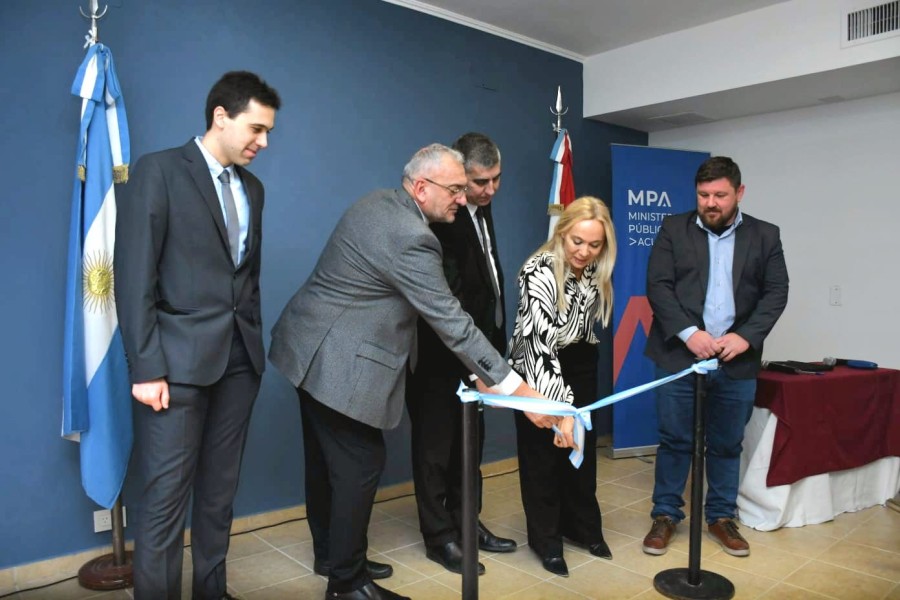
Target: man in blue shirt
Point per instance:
(717, 283)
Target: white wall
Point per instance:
(829, 176)
(786, 40)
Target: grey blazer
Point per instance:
(178, 293)
(346, 335)
(677, 277)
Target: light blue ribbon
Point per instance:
(582, 415)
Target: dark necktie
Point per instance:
(233, 225)
(486, 248)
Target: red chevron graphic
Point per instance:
(637, 312)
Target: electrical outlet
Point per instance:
(103, 520)
(834, 295)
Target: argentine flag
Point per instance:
(96, 390)
(562, 188)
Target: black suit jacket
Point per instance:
(677, 278)
(178, 293)
(467, 275)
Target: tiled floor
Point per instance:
(856, 556)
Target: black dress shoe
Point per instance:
(556, 565)
(600, 550)
(376, 570)
(449, 556)
(489, 542)
(370, 591)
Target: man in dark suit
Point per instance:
(187, 262)
(344, 340)
(473, 272)
(717, 283)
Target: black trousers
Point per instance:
(197, 443)
(344, 460)
(435, 413)
(560, 500)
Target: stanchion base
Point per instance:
(673, 583)
(102, 573)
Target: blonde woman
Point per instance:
(565, 288)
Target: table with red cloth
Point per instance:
(819, 445)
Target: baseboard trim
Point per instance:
(630, 452)
(56, 569)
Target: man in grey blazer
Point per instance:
(187, 262)
(344, 339)
(717, 283)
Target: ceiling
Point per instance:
(581, 28)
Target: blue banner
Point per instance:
(648, 184)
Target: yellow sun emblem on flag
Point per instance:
(98, 282)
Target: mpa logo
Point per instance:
(649, 198)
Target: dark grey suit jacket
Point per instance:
(677, 278)
(346, 335)
(178, 294)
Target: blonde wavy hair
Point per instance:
(584, 209)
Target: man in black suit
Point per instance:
(187, 263)
(717, 283)
(473, 272)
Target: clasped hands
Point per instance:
(725, 348)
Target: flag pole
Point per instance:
(100, 416)
(110, 571)
(559, 112)
(562, 187)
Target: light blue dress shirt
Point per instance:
(241, 201)
(718, 309)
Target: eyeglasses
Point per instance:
(455, 190)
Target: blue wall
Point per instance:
(364, 84)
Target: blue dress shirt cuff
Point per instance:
(684, 334)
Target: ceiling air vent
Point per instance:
(872, 23)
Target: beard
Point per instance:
(718, 220)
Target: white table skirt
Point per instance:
(812, 500)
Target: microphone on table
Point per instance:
(848, 362)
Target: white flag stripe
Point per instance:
(100, 319)
(88, 83)
(112, 121)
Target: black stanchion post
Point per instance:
(110, 571)
(693, 583)
(469, 500)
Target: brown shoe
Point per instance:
(725, 532)
(661, 534)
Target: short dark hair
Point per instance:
(717, 167)
(478, 149)
(235, 90)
